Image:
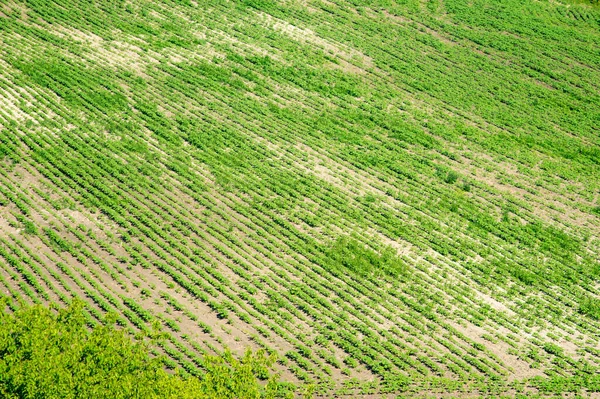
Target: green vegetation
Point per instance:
(387, 197)
(348, 255)
(53, 354)
(590, 307)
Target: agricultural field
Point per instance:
(393, 198)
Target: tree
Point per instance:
(48, 353)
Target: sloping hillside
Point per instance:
(392, 196)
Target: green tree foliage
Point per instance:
(46, 353)
(451, 177)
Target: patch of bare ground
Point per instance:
(330, 171)
(115, 53)
(306, 229)
(422, 27)
(30, 179)
(548, 205)
(569, 348)
(234, 336)
(493, 303)
(179, 55)
(12, 7)
(218, 37)
(520, 369)
(158, 283)
(7, 283)
(9, 110)
(351, 60)
(289, 101)
(402, 247)
(543, 84)
(306, 4)
(49, 259)
(11, 104)
(7, 222)
(359, 373)
(345, 66)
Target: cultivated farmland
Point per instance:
(393, 198)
